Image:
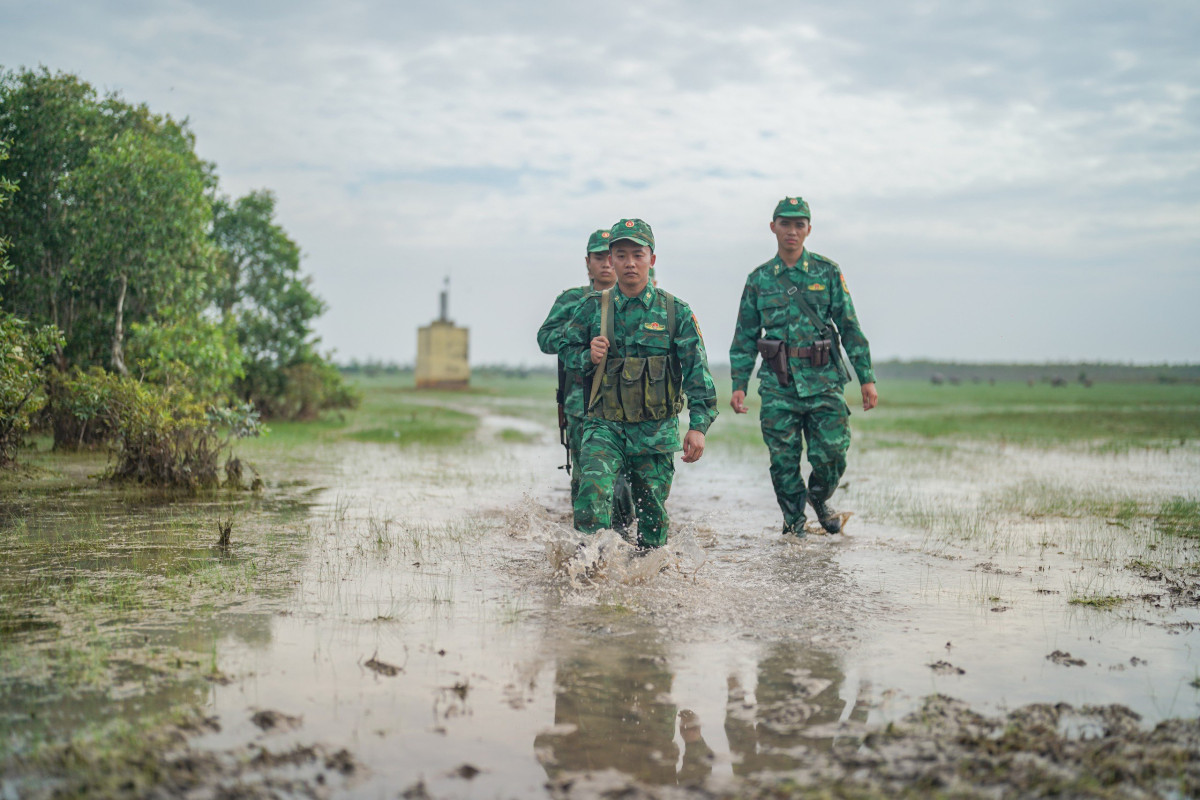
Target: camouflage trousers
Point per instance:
(622, 517)
(603, 458)
(789, 424)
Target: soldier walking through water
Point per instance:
(796, 311)
(571, 394)
(642, 350)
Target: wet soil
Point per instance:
(416, 622)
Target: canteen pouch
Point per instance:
(774, 354)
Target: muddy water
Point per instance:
(419, 617)
(743, 656)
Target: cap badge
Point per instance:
(792, 200)
(628, 223)
(605, 235)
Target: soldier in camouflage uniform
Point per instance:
(600, 276)
(809, 406)
(649, 357)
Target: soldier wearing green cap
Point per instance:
(571, 382)
(641, 349)
(797, 312)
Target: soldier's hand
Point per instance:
(693, 446)
(599, 348)
(870, 396)
(738, 402)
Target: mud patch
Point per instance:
(946, 749)
(161, 761)
(270, 721)
(1065, 659)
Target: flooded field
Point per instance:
(395, 617)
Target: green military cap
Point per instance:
(598, 242)
(635, 230)
(791, 207)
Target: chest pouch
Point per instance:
(638, 388)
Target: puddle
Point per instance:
(429, 613)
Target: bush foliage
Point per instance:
(126, 257)
(159, 435)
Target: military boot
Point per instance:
(826, 515)
(818, 496)
(796, 530)
(790, 511)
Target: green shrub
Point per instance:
(166, 438)
(23, 351)
(159, 435)
(300, 391)
(192, 351)
(77, 412)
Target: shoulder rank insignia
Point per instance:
(655, 326)
(696, 322)
(845, 288)
(816, 287)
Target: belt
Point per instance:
(818, 353)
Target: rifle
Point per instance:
(560, 397)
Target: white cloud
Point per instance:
(489, 145)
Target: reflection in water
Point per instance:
(798, 690)
(613, 710)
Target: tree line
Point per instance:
(138, 303)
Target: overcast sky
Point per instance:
(998, 180)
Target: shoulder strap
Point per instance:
(606, 332)
(606, 315)
(794, 292)
(827, 329)
(670, 298)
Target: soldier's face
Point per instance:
(632, 262)
(600, 270)
(791, 232)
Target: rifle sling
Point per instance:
(827, 330)
(606, 332)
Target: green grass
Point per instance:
(1102, 602)
(1180, 516)
(516, 437)
(391, 412)
(406, 423)
(1104, 416)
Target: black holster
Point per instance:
(775, 356)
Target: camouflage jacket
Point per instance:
(639, 327)
(767, 312)
(549, 336)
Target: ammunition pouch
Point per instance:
(818, 353)
(637, 389)
(775, 356)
